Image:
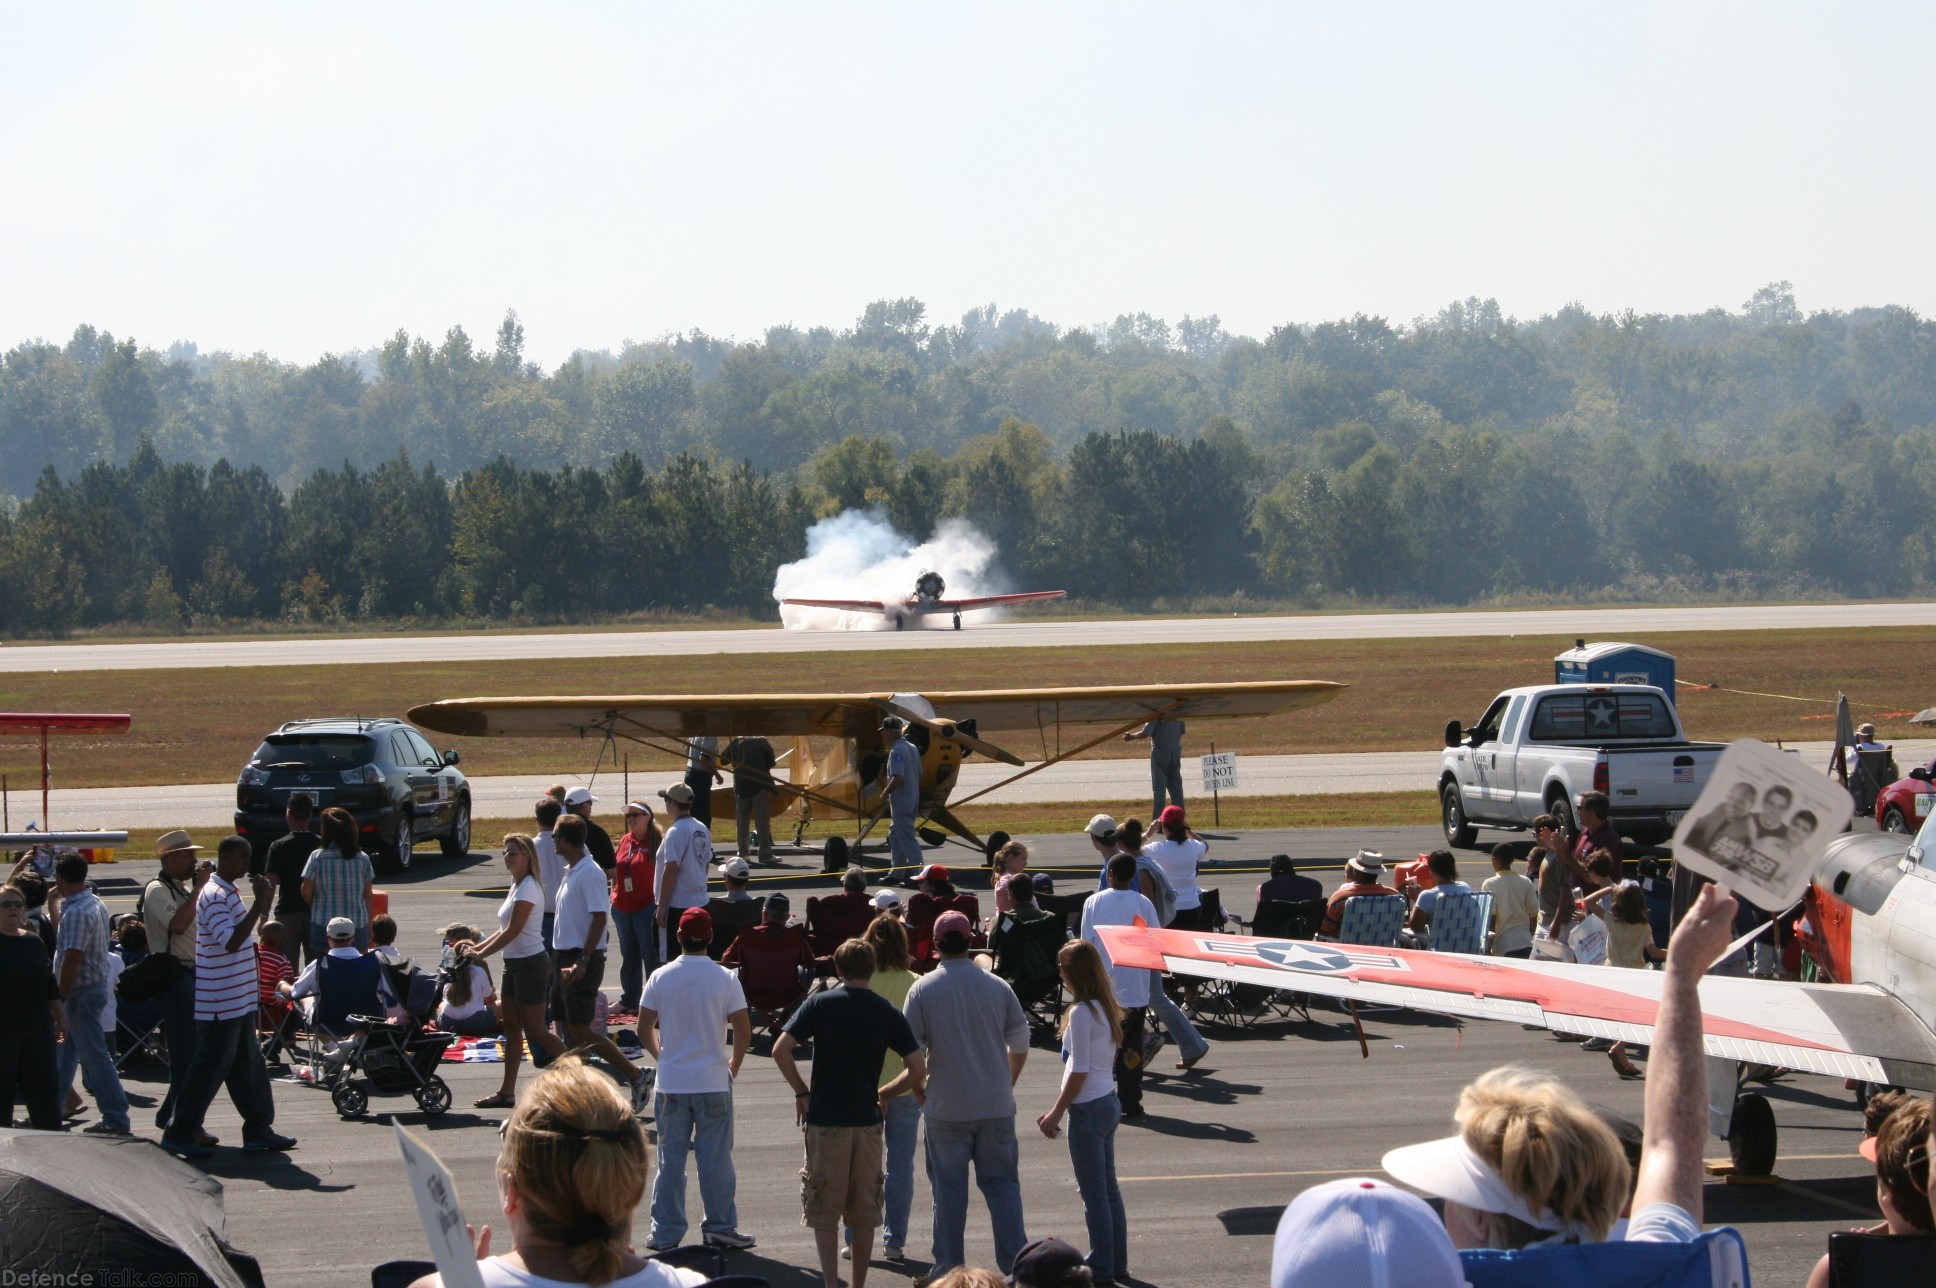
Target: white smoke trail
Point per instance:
(857, 554)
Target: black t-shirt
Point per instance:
(598, 844)
(284, 862)
(27, 985)
(852, 1029)
(1292, 887)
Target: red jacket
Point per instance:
(632, 875)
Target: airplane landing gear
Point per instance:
(957, 621)
(900, 620)
(1752, 1137)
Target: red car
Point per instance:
(1904, 804)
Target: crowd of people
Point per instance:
(919, 1031)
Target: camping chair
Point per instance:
(1278, 919)
(1371, 921)
(137, 1038)
(836, 918)
(1460, 922)
(924, 910)
(1718, 1259)
(775, 965)
(1878, 1260)
(1025, 956)
(730, 916)
(1869, 773)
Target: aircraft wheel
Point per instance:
(957, 621)
(833, 856)
(1893, 821)
(1751, 1143)
(899, 621)
(996, 840)
(1458, 832)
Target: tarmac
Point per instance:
(1602, 623)
(1272, 1110)
(212, 805)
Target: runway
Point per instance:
(210, 805)
(1600, 623)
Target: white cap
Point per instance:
(885, 899)
(1448, 1169)
(736, 869)
(579, 796)
(1100, 826)
(1363, 1233)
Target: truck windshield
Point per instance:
(314, 751)
(1564, 716)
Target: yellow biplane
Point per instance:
(842, 777)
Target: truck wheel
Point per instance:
(1893, 821)
(1458, 832)
(1562, 809)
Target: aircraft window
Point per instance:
(1923, 848)
(1487, 730)
(1564, 716)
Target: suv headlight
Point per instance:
(363, 774)
(254, 777)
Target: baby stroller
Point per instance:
(384, 1059)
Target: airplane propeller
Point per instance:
(952, 732)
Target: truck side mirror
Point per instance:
(1453, 734)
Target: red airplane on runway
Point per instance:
(926, 601)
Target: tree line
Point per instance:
(1462, 457)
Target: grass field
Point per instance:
(200, 725)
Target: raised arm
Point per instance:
(1676, 1113)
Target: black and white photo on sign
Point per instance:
(1762, 824)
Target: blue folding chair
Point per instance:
(1718, 1259)
(1372, 920)
(1460, 921)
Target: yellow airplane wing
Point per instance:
(847, 715)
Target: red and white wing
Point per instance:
(997, 601)
(1842, 1030)
(846, 605)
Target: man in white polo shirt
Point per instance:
(226, 987)
(582, 927)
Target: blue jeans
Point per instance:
(700, 1123)
(319, 938)
(87, 1047)
(903, 843)
(544, 927)
(903, 1129)
(1092, 1152)
(177, 1008)
(226, 1054)
(638, 946)
(989, 1143)
(1166, 777)
(1189, 1042)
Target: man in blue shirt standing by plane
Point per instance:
(902, 791)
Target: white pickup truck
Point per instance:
(1538, 749)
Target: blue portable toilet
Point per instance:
(1615, 663)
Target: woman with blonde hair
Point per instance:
(570, 1174)
(1092, 1030)
(527, 968)
(1010, 859)
(1531, 1164)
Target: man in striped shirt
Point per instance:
(225, 1005)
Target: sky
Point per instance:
(300, 179)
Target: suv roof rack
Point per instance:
(361, 725)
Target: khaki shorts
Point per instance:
(842, 1180)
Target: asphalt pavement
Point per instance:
(1602, 623)
(1272, 1111)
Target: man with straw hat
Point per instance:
(168, 914)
